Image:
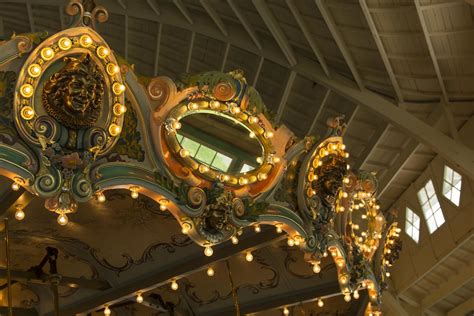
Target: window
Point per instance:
(412, 225)
(431, 208)
(452, 185)
(205, 154)
(246, 168)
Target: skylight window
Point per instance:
(452, 185)
(412, 225)
(205, 154)
(431, 208)
(246, 168)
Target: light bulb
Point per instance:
(101, 197)
(107, 311)
(139, 298)
(185, 228)
(15, 186)
(163, 203)
(19, 214)
(134, 192)
(210, 271)
(174, 285)
(316, 268)
(214, 104)
(208, 251)
(114, 129)
(356, 294)
(290, 242)
(286, 311)
(235, 240)
(252, 135)
(34, 70)
(387, 274)
(268, 134)
(257, 228)
(249, 257)
(297, 242)
(63, 220)
(279, 229)
(183, 152)
(347, 297)
(320, 303)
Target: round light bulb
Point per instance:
(235, 240)
(356, 294)
(185, 228)
(286, 311)
(208, 251)
(102, 52)
(174, 285)
(210, 271)
(347, 297)
(325, 254)
(139, 298)
(387, 274)
(101, 197)
(290, 242)
(34, 70)
(47, 53)
(183, 153)
(65, 43)
(257, 228)
(134, 192)
(320, 303)
(107, 311)
(15, 186)
(214, 104)
(19, 214)
(63, 220)
(279, 229)
(114, 129)
(316, 268)
(85, 41)
(249, 257)
(268, 134)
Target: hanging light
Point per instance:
(286, 311)
(15, 186)
(134, 192)
(249, 256)
(107, 310)
(320, 303)
(100, 197)
(347, 297)
(356, 294)
(316, 268)
(257, 228)
(208, 251)
(234, 240)
(174, 285)
(210, 271)
(279, 229)
(290, 242)
(139, 298)
(63, 219)
(19, 213)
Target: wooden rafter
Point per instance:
(245, 23)
(214, 16)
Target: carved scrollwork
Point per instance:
(159, 90)
(47, 127)
(88, 12)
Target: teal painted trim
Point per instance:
(15, 161)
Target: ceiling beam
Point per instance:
(462, 276)
(11, 198)
(184, 10)
(309, 37)
(381, 48)
(285, 95)
(157, 50)
(190, 51)
(226, 55)
(245, 23)
(125, 42)
(379, 134)
(161, 275)
(275, 29)
(18, 311)
(281, 300)
(331, 24)
(214, 16)
(31, 277)
(463, 309)
(258, 71)
(318, 113)
(61, 17)
(31, 20)
(154, 6)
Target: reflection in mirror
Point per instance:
(219, 142)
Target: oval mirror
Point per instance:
(220, 142)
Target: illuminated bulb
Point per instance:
(333, 146)
(320, 163)
(346, 180)
(114, 129)
(387, 274)
(243, 181)
(252, 135)
(19, 214)
(225, 177)
(262, 176)
(363, 216)
(27, 112)
(257, 228)
(343, 146)
(214, 104)
(210, 271)
(234, 240)
(320, 303)
(26, 90)
(340, 263)
(259, 159)
(276, 159)
(208, 251)
(325, 254)
(163, 205)
(47, 53)
(102, 52)
(253, 119)
(185, 228)
(112, 69)
(279, 229)
(85, 41)
(316, 268)
(134, 192)
(139, 298)
(291, 242)
(286, 311)
(377, 207)
(268, 134)
(100, 197)
(34, 70)
(297, 242)
(107, 311)
(176, 125)
(325, 153)
(249, 257)
(379, 218)
(235, 110)
(118, 88)
(341, 208)
(355, 226)
(62, 219)
(119, 109)
(344, 194)
(203, 168)
(343, 279)
(348, 167)
(346, 155)
(183, 153)
(65, 43)
(347, 297)
(193, 106)
(15, 186)
(174, 285)
(356, 294)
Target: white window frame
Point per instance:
(431, 207)
(412, 224)
(450, 186)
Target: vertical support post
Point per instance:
(9, 277)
